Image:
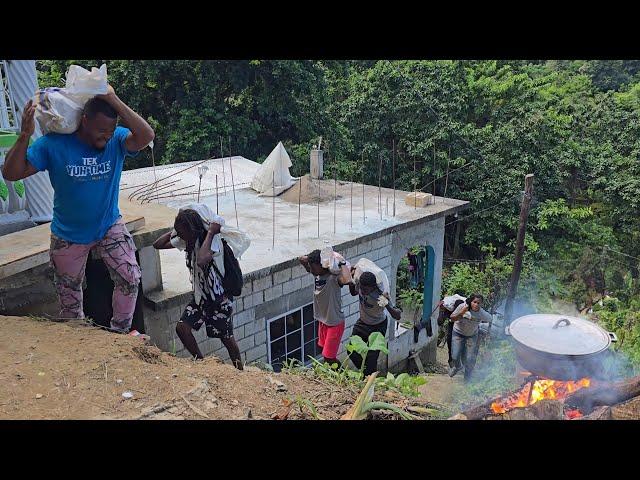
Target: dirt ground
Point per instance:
(441, 389)
(309, 192)
(51, 370)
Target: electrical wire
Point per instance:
(483, 210)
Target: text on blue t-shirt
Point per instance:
(85, 180)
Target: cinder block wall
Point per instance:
(268, 293)
(29, 293)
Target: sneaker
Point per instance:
(141, 336)
(452, 371)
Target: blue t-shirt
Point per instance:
(85, 180)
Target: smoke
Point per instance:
(497, 371)
(616, 365)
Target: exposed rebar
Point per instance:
(352, 180)
(380, 185)
(335, 197)
(273, 176)
(169, 176)
(224, 175)
(364, 216)
(393, 167)
(233, 186)
(446, 182)
(153, 162)
(434, 171)
(168, 193)
(415, 184)
(299, 196)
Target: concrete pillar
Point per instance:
(316, 164)
(151, 269)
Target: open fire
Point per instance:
(587, 399)
(539, 389)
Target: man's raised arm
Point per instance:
(141, 132)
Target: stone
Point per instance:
(418, 199)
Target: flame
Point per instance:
(542, 389)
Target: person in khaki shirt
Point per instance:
(373, 317)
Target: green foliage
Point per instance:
(624, 321)
(404, 383)
(192, 104)
(411, 299)
(493, 375)
(490, 279)
(376, 342)
(307, 404)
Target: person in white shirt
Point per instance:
(447, 307)
(467, 318)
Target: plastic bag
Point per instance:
(330, 260)
(84, 85)
(59, 109)
(366, 265)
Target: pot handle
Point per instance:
(507, 330)
(613, 336)
(560, 321)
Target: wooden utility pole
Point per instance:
(517, 263)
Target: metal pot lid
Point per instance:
(559, 334)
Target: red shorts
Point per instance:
(329, 338)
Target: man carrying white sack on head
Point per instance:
(373, 291)
(84, 168)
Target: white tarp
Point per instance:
(274, 168)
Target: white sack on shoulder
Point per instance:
(366, 265)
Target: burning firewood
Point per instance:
(604, 393)
(629, 410)
(600, 413)
(549, 399)
(546, 394)
(478, 412)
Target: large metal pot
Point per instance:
(560, 347)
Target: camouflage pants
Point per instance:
(117, 250)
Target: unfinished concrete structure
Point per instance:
(273, 317)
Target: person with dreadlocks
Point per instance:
(210, 305)
(327, 303)
(373, 318)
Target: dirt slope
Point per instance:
(51, 370)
